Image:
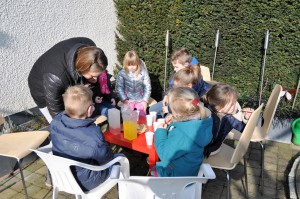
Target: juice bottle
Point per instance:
(130, 129)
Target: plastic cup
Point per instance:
(161, 120)
(138, 115)
(149, 138)
(149, 119)
(155, 125)
(153, 113)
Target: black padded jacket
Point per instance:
(54, 72)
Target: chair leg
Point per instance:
(246, 178)
(262, 149)
(55, 193)
(22, 177)
(228, 184)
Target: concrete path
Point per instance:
(279, 159)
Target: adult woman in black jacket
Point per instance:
(69, 62)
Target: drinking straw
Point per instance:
(263, 66)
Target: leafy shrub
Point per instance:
(193, 24)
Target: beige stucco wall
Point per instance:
(29, 27)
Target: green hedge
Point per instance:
(193, 24)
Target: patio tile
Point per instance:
(276, 170)
(42, 193)
(8, 193)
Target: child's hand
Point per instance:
(247, 112)
(162, 125)
(144, 104)
(98, 99)
(165, 101)
(113, 101)
(169, 119)
(126, 102)
(165, 109)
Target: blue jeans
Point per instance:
(158, 108)
(103, 108)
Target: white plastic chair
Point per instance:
(63, 179)
(137, 187)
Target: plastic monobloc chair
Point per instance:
(63, 179)
(205, 72)
(261, 132)
(17, 145)
(190, 187)
(229, 157)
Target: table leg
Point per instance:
(152, 159)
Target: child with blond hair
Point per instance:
(133, 83)
(76, 137)
(180, 144)
(187, 77)
(227, 114)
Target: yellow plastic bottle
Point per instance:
(130, 129)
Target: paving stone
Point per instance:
(25, 173)
(270, 174)
(271, 149)
(271, 160)
(270, 167)
(34, 166)
(254, 163)
(42, 193)
(283, 145)
(269, 192)
(275, 179)
(18, 196)
(9, 181)
(18, 186)
(8, 193)
(253, 179)
(42, 171)
(253, 171)
(270, 183)
(36, 179)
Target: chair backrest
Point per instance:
(61, 173)
(136, 187)
(205, 72)
(244, 141)
(270, 109)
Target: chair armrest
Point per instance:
(45, 149)
(206, 171)
(234, 135)
(115, 172)
(119, 159)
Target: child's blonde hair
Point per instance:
(131, 58)
(182, 56)
(189, 75)
(184, 103)
(220, 95)
(77, 100)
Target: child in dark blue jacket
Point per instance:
(221, 99)
(78, 138)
